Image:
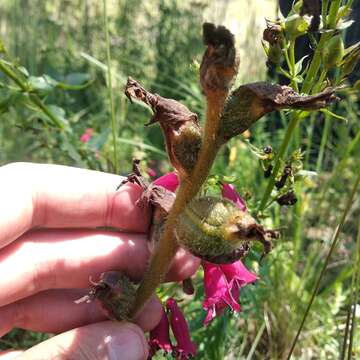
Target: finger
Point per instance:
(10, 354)
(54, 311)
(105, 340)
(54, 196)
(58, 259)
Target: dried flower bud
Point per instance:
(273, 33)
(220, 62)
(287, 199)
(188, 286)
(180, 127)
(268, 171)
(333, 52)
(286, 173)
(216, 230)
(116, 294)
(250, 102)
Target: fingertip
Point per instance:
(126, 210)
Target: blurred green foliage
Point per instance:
(57, 48)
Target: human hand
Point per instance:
(51, 243)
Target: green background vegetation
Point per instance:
(61, 46)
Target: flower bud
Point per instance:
(250, 102)
(333, 52)
(296, 26)
(216, 230)
(116, 294)
(220, 62)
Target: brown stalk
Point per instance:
(217, 71)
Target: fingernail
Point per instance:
(127, 344)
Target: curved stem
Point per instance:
(189, 187)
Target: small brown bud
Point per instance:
(273, 33)
(116, 294)
(220, 62)
(188, 286)
(287, 199)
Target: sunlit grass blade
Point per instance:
(110, 93)
(324, 267)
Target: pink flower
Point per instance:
(229, 192)
(169, 181)
(151, 172)
(222, 285)
(160, 337)
(86, 136)
(218, 293)
(184, 348)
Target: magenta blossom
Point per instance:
(86, 136)
(169, 181)
(160, 337)
(184, 348)
(229, 192)
(218, 293)
(222, 285)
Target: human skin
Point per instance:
(61, 226)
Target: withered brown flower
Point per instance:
(250, 102)
(180, 126)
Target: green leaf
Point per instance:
(336, 116)
(40, 84)
(299, 65)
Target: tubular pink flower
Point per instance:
(160, 337)
(86, 136)
(184, 348)
(229, 192)
(218, 292)
(151, 172)
(237, 273)
(169, 181)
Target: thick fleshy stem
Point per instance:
(161, 260)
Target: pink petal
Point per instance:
(229, 192)
(151, 172)
(169, 181)
(160, 337)
(85, 138)
(218, 292)
(184, 348)
(237, 272)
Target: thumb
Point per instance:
(105, 340)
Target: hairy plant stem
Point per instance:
(110, 93)
(34, 98)
(189, 187)
(326, 263)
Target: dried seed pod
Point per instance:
(217, 231)
(287, 199)
(180, 127)
(116, 294)
(250, 102)
(220, 62)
